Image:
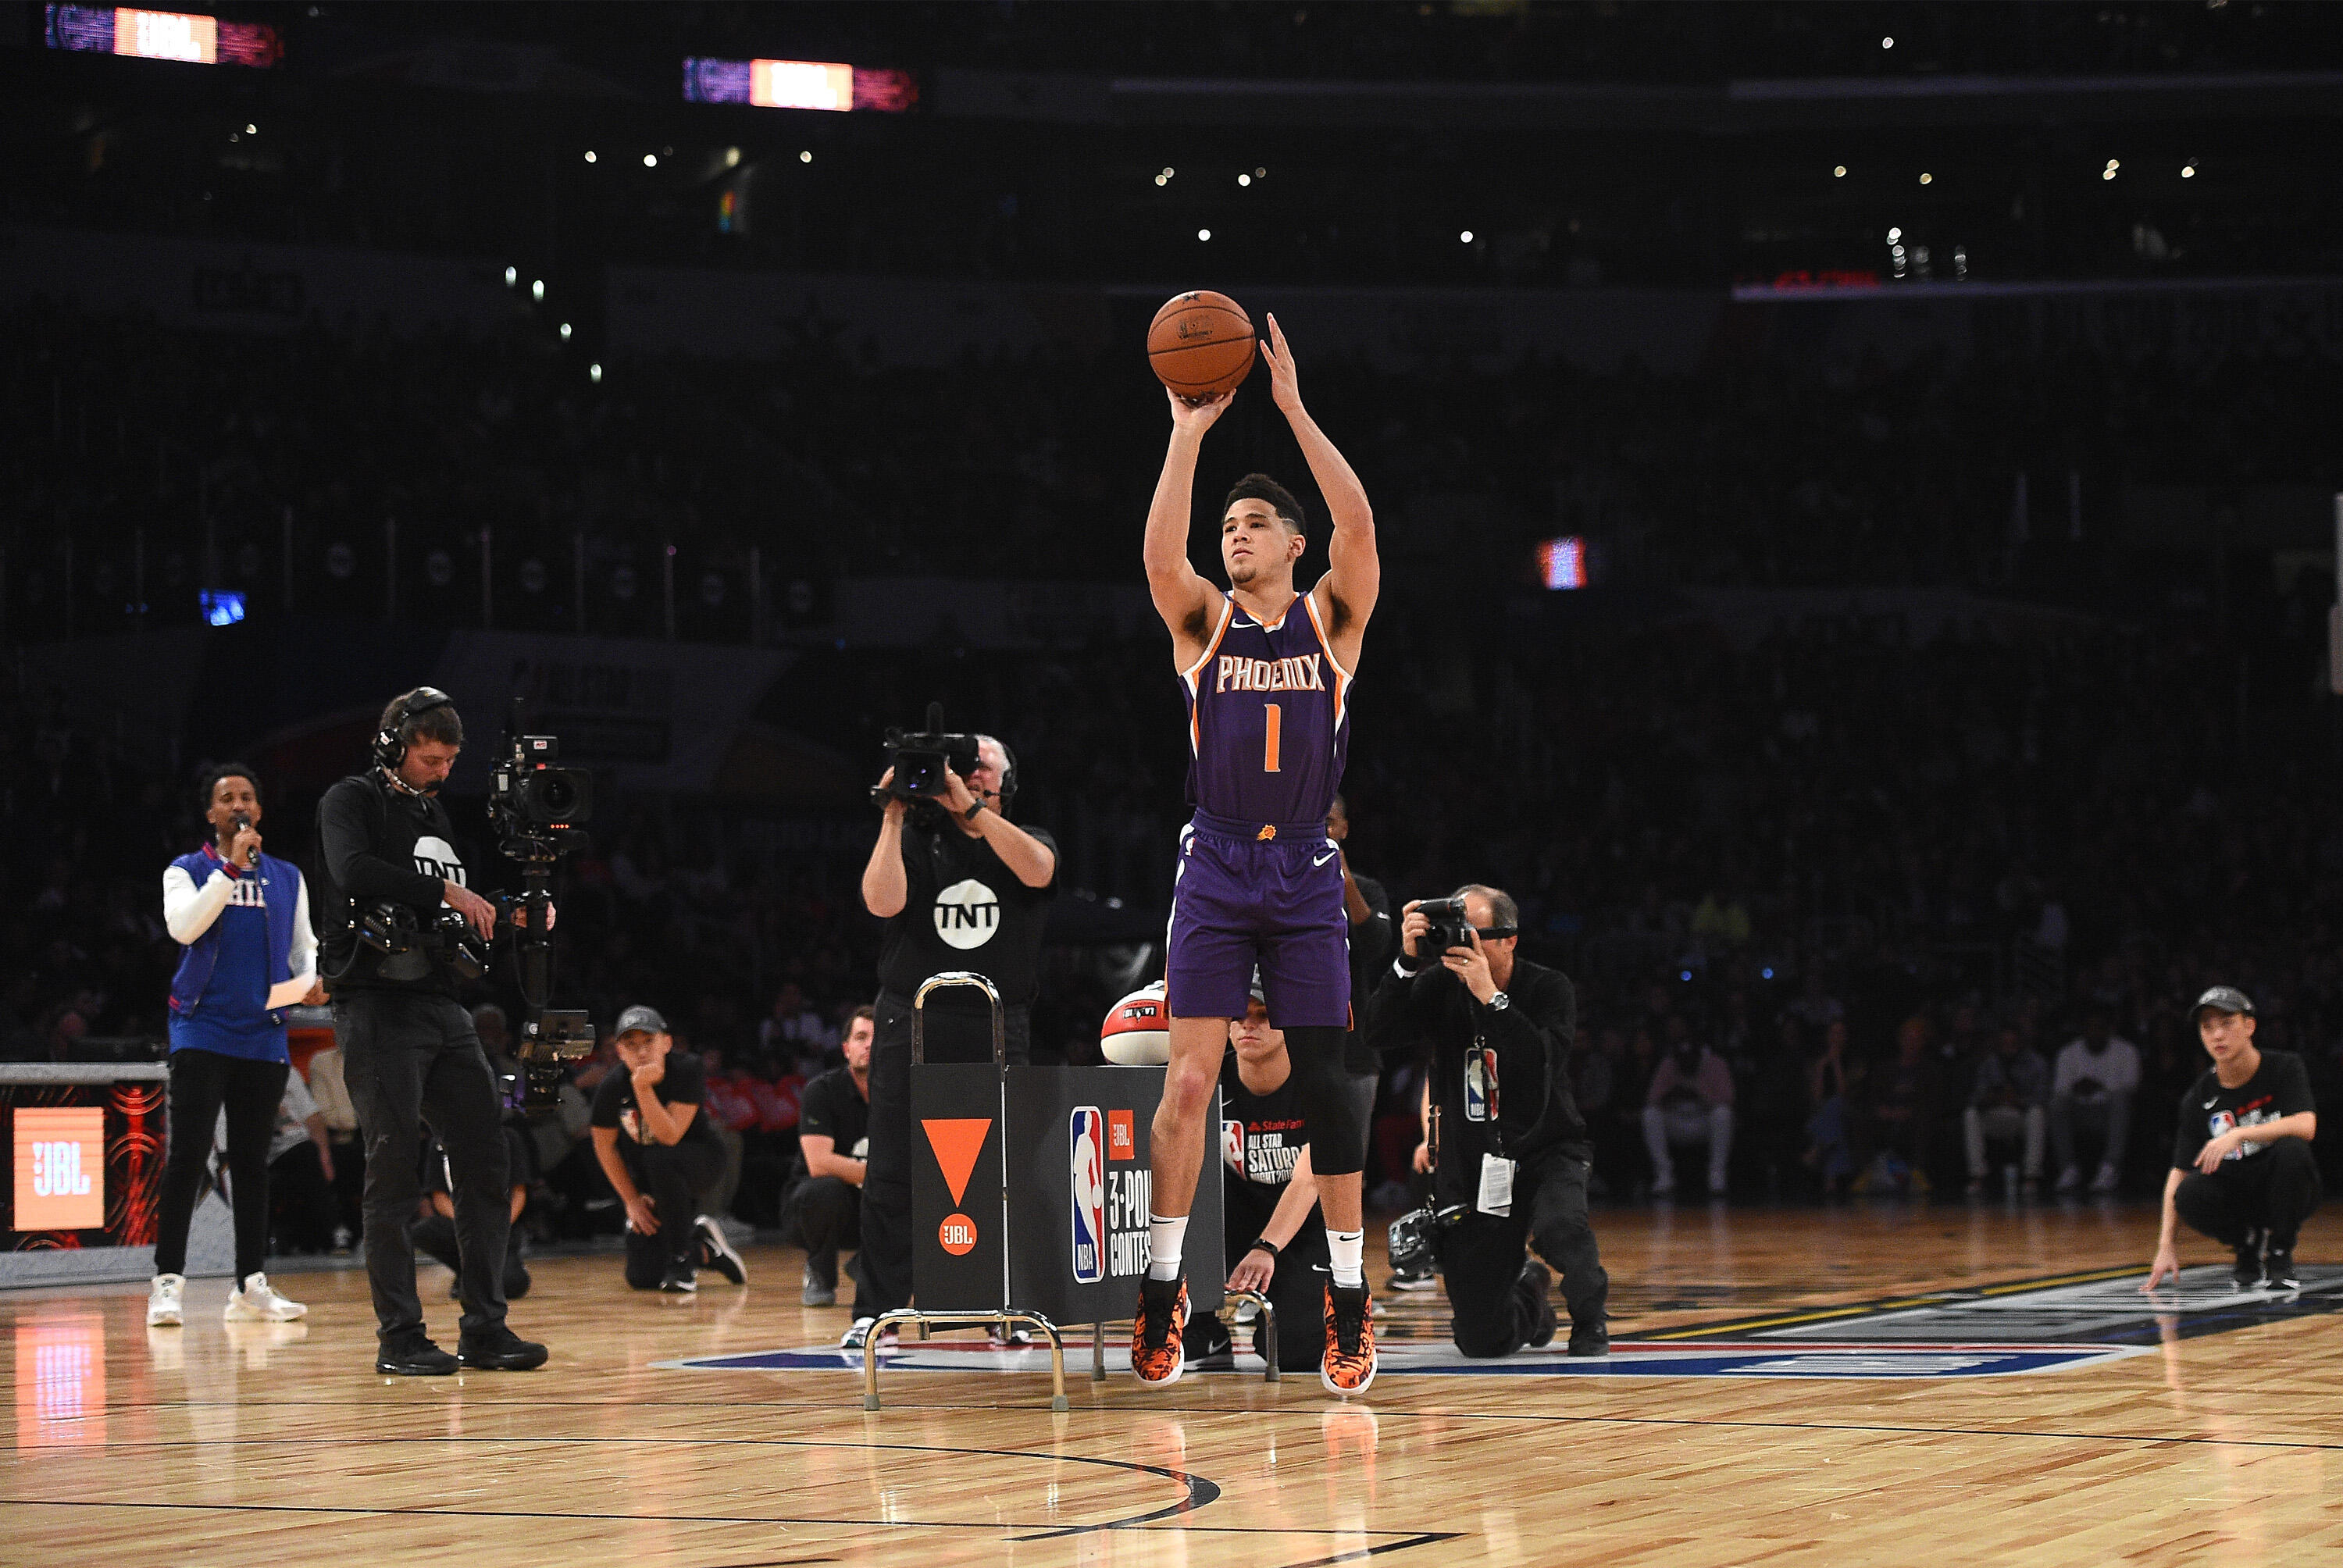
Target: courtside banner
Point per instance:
(1078, 1191)
(956, 1235)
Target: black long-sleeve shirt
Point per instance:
(377, 843)
(1534, 1113)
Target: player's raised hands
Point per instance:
(1282, 388)
(1194, 416)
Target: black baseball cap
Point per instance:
(2225, 999)
(640, 1020)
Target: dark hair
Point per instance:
(1262, 487)
(213, 773)
(865, 1010)
(1503, 911)
(438, 723)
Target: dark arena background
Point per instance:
(1857, 493)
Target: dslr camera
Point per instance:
(1415, 1235)
(920, 758)
(1450, 925)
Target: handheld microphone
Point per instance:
(244, 825)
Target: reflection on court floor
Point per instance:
(1994, 1331)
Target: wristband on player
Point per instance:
(1265, 1245)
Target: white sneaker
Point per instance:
(257, 1304)
(163, 1305)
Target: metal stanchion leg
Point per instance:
(1268, 1329)
(1098, 1352)
(870, 1349)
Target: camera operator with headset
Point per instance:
(960, 886)
(394, 885)
(1509, 1150)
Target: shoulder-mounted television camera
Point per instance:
(920, 758)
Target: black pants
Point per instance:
(674, 1176)
(882, 1267)
(1297, 1291)
(823, 1215)
(434, 1236)
(409, 1057)
(2275, 1189)
(306, 1207)
(1480, 1259)
(202, 1082)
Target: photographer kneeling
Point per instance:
(393, 884)
(1510, 1152)
(648, 1133)
(960, 886)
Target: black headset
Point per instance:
(1008, 774)
(390, 740)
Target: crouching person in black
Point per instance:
(2242, 1170)
(1510, 1152)
(662, 1157)
(1273, 1231)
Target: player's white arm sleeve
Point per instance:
(189, 910)
(302, 958)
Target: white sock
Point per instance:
(1164, 1240)
(1348, 1248)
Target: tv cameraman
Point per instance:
(410, 1052)
(960, 886)
(1510, 1152)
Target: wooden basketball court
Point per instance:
(2197, 1435)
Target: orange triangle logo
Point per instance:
(957, 1143)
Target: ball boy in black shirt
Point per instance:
(1273, 1230)
(648, 1133)
(2242, 1170)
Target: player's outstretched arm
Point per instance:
(1183, 598)
(1354, 574)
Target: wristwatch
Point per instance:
(1499, 1002)
(973, 808)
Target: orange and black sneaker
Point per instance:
(1157, 1330)
(1347, 1365)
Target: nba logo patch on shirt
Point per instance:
(1086, 1141)
(1233, 1145)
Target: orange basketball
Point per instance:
(1201, 343)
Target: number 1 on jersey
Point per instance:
(1269, 743)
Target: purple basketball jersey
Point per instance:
(1267, 719)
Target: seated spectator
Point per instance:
(2008, 1101)
(1830, 1131)
(344, 1150)
(1899, 1115)
(795, 1028)
(1690, 1101)
(300, 1171)
(823, 1211)
(2091, 1091)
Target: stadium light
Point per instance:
(1205, 233)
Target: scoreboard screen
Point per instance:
(160, 35)
(798, 85)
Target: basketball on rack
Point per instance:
(1138, 1030)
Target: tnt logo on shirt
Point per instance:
(967, 914)
(434, 857)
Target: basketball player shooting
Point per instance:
(1267, 672)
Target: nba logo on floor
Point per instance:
(1087, 1149)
